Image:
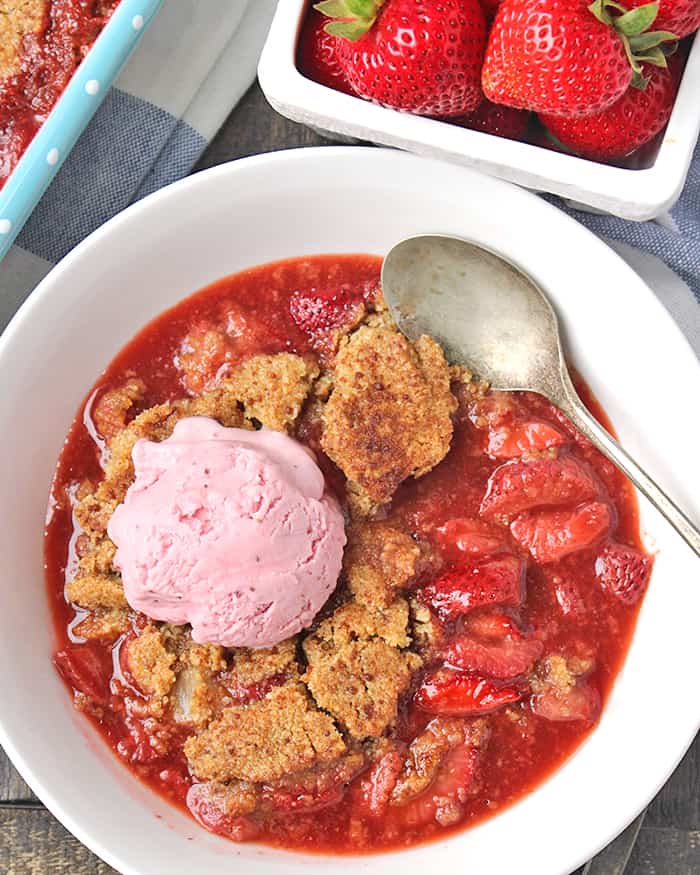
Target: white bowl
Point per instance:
(295, 203)
(632, 194)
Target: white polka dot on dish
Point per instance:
(137, 22)
(92, 86)
(52, 157)
(5, 226)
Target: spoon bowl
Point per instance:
(491, 316)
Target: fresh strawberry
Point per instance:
(419, 56)
(461, 694)
(320, 312)
(498, 581)
(681, 17)
(550, 535)
(87, 669)
(519, 486)
(502, 121)
(490, 8)
(623, 572)
(316, 56)
(519, 438)
(629, 123)
(568, 57)
(473, 537)
(505, 657)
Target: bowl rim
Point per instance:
(638, 195)
(233, 168)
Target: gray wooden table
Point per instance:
(32, 842)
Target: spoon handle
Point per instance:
(569, 402)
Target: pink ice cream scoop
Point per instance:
(229, 530)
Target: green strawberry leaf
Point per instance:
(639, 81)
(350, 30)
(649, 40)
(334, 8)
(654, 56)
(637, 20)
(363, 8)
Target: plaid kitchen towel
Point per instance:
(191, 68)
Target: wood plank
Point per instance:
(665, 851)
(34, 843)
(12, 787)
(678, 803)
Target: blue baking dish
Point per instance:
(76, 106)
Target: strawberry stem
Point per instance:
(351, 18)
(641, 45)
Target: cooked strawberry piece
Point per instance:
(519, 438)
(463, 695)
(498, 581)
(474, 537)
(210, 807)
(563, 691)
(88, 669)
(442, 801)
(504, 658)
(581, 703)
(301, 801)
(440, 773)
(493, 624)
(318, 313)
(550, 535)
(376, 787)
(244, 694)
(623, 572)
(312, 790)
(568, 597)
(518, 486)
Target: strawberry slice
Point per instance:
(210, 807)
(501, 658)
(320, 312)
(87, 669)
(498, 581)
(513, 441)
(441, 802)
(518, 486)
(311, 790)
(550, 535)
(376, 787)
(582, 702)
(460, 694)
(474, 537)
(623, 572)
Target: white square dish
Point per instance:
(631, 194)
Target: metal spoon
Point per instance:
(487, 313)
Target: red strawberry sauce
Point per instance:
(565, 610)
